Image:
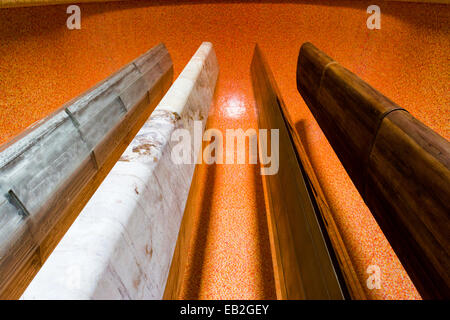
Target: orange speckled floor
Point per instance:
(230, 257)
(43, 65)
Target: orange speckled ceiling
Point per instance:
(43, 65)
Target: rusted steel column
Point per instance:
(302, 260)
(399, 166)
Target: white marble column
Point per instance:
(121, 245)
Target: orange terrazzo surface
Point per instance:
(229, 256)
(43, 65)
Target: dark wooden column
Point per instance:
(399, 166)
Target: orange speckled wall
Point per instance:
(43, 65)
